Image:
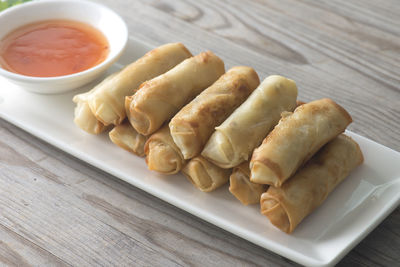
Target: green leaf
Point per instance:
(3, 5)
(8, 3)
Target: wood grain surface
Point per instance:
(56, 210)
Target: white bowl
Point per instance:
(96, 15)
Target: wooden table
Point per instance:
(57, 210)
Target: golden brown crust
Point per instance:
(162, 154)
(204, 175)
(342, 110)
(251, 121)
(85, 119)
(243, 168)
(295, 139)
(274, 167)
(241, 187)
(159, 99)
(275, 212)
(192, 126)
(107, 102)
(312, 184)
(83, 115)
(183, 47)
(126, 137)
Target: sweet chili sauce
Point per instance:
(53, 48)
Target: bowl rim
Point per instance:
(111, 58)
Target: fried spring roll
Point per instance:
(241, 187)
(162, 154)
(193, 125)
(107, 101)
(295, 139)
(205, 175)
(126, 137)
(83, 116)
(234, 140)
(159, 99)
(288, 205)
(85, 119)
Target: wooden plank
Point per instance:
(16, 250)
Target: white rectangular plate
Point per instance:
(353, 210)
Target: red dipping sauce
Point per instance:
(53, 48)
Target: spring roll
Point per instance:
(107, 101)
(159, 99)
(124, 136)
(162, 154)
(234, 140)
(83, 116)
(295, 139)
(205, 175)
(193, 125)
(241, 187)
(288, 205)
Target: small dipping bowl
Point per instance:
(100, 17)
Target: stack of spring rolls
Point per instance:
(185, 113)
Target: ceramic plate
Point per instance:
(353, 210)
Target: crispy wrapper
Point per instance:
(234, 140)
(162, 154)
(193, 125)
(297, 137)
(124, 136)
(85, 119)
(288, 205)
(205, 175)
(83, 116)
(241, 187)
(159, 99)
(107, 101)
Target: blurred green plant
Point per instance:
(8, 3)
